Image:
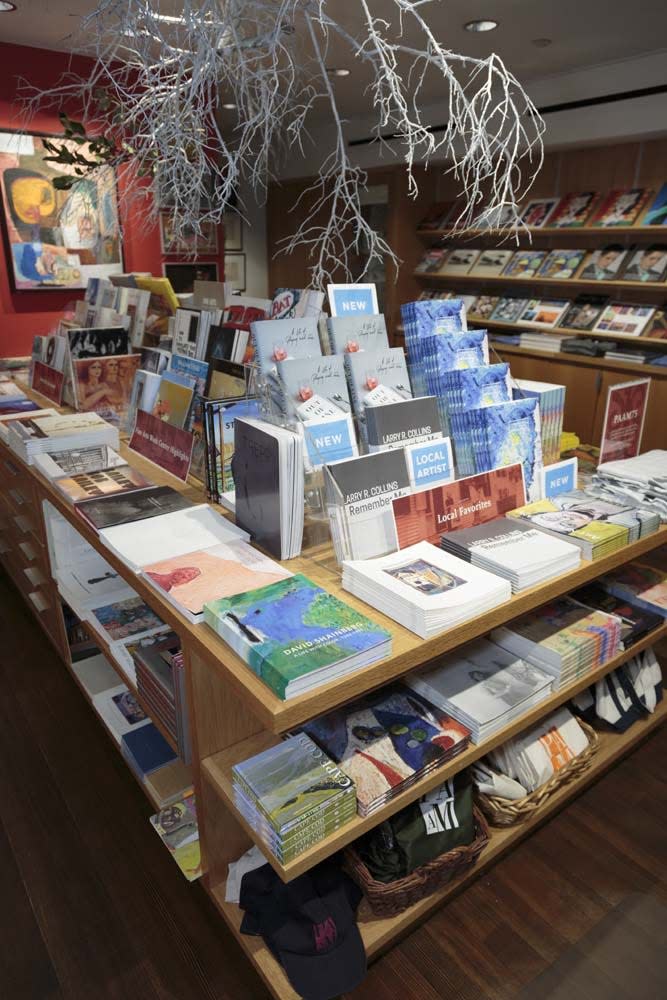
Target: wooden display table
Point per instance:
(233, 714)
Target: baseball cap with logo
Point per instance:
(310, 927)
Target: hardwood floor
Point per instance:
(93, 907)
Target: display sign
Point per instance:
(48, 382)
(326, 440)
(624, 420)
(430, 464)
(561, 477)
(159, 442)
(352, 300)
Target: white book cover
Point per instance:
(169, 535)
(429, 579)
(283, 339)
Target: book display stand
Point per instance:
(233, 714)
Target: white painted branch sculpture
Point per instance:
(165, 78)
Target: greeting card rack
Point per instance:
(233, 714)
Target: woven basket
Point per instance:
(508, 812)
(386, 899)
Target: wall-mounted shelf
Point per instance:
(566, 283)
(606, 233)
(566, 331)
(582, 360)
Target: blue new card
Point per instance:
(329, 440)
(352, 300)
(559, 478)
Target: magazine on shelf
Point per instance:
(524, 264)
(584, 312)
(544, 312)
(656, 213)
(508, 309)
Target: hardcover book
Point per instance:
(508, 309)
(145, 749)
(349, 334)
(460, 261)
(79, 461)
(535, 213)
(461, 504)
(122, 619)
(484, 305)
(584, 312)
(491, 263)
(294, 635)
(524, 264)
(561, 264)
(656, 213)
(647, 264)
(135, 506)
(544, 312)
(621, 207)
(98, 484)
(624, 318)
(595, 538)
(606, 264)
(190, 580)
(173, 401)
(394, 425)
(104, 385)
(574, 209)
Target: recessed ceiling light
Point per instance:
(332, 71)
(480, 25)
(541, 43)
(229, 107)
(6, 7)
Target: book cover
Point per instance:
(475, 500)
(431, 261)
(47, 381)
(384, 740)
(104, 385)
(173, 401)
(376, 378)
(313, 388)
(470, 388)
(657, 327)
(146, 750)
(226, 380)
(86, 485)
(460, 261)
(508, 309)
(636, 582)
(570, 523)
(176, 825)
(574, 209)
(135, 506)
(484, 305)
(193, 579)
(606, 264)
(97, 342)
(535, 213)
(524, 264)
(561, 264)
(621, 207)
(78, 461)
(291, 779)
(279, 339)
(154, 360)
(635, 621)
(349, 334)
(584, 312)
(544, 312)
(220, 418)
(256, 468)
(491, 263)
(126, 618)
(290, 629)
(656, 213)
(647, 264)
(624, 318)
(186, 332)
(394, 425)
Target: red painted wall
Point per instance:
(23, 314)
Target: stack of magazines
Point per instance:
(565, 639)
(387, 741)
(484, 687)
(513, 550)
(424, 589)
(596, 539)
(636, 622)
(293, 796)
(34, 435)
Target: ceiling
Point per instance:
(582, 32)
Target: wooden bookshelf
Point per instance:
(578, 284)
(564, 331)
(231, 711)
(378, 933)
(605, 233)
(218, 768)
(599, 364)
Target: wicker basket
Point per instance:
(508, 812)
(386, 899)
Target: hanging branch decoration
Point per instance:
(153, 99)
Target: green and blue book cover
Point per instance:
(292, 628)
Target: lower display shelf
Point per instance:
(378, 933)
(217, 769)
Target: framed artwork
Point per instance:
(56, 239)
(189, 242)
(235, 271)
(183, 276)
(233, 231)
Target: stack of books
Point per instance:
(638, 521)
(540, 342)
(636, 622)
(146, 751)
(295, 636)
(78, 461)
(645, 586)
(565, 639)
(484, 687)
(513, 550)
(160, 673)
(293, 796)
(596, 539)
(552, 405)
(387, 741)
(37, 435)
(425, 589)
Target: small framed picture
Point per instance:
(235, 271)
(233, 228)
(189, 241)
(183, 276)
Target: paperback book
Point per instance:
(561, 264)
(460, 261)
(595, 538)
(313, 388)
(78, 461)
(376, 378)
(295, 636)
(636, 622)
(535, 213)
(176, 825)
(544, 312)
(584, 312)
(621, 207)
(645, 586)
(484, 305)
(281, 339)
(624, 318)
(524, 264)
(130, 617)
(174, 398)
(88, 485)
(491, 263)
(574, 209)
(508, 309)
(606, 264)
(138, 505)
(656, 213)
(647, 264)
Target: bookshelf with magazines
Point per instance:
(234, 715)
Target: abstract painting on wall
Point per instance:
(58, 239)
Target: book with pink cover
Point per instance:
(189, 581)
